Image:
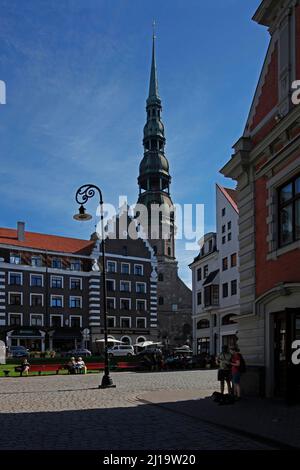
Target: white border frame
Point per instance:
(125, 298)
(115, 264)
(136, 265)
(125, 318)
(15, 272)
(75, 297)
(57, 276)
(144, 284)
(39, 275)
(36, 314)
(110, 317)
(75, 316)
(126, 282)
(8, 298)
(40, 295)
(127, 264)
(145, 305)
(141, 318)
(114, 282)
(56, 295)
(61, 319)
(74, 278)
(15, 313)
(114, 299)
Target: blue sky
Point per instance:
(77, 74)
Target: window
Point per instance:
(160, 277)
(199, 298)
(205, 271)
(36, 280)
(125, 322)
(160, 300)
(141, 323)
(138, 269)
(223, 240)
(36, 300)
(75, 322)
(15, 258)
(111, 322)
(225, 289)
(141, 287)
(174, 307)
(223, 211)
(125, 304)
(110, 285)
(36, 320)
(169, 251)
(203, 324)
(15, 298)
(56, 282)
(15, 279)
(141, 305)
(56, 301)
(289, 212)
(125, 286)
(111, 266)
(199, 274)
(223, 228)
(56, 263)
(211, 295)
(75, 283)
(234, 287)
(75, 302)
(56, 321)
(36, 261)
(111, 303)
(125, 268)
(225, 264)
(15, 319)
(229, 236)
(229, 225)
(75, 265)
(233, 260)
(229, 319)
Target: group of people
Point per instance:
(76, 366)
(230, 367)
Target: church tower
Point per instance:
(154, 177)
(174, 310)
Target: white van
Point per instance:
(121, 350)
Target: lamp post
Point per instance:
(83, 194)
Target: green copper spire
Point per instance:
(153, 86)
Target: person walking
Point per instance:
(224, 361)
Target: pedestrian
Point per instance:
(71, 366)
(80, 366)
(236, 371)
(224, 372)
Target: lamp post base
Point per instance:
(106, 382)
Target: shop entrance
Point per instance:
(286, 374)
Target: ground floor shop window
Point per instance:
(203, 345)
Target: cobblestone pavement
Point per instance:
(70, 412)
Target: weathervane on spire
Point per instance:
(153, 28)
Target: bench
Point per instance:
(95, 365)
(6, 372)
(43, 368)
(127, 365)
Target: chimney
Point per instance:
(21, 231)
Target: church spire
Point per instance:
(153, 86)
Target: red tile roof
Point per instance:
(41, 241)
(231, 195)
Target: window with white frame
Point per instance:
(125, 304)
(57, 301)
(75, 301)
(140, 287)
(56, 263)
(15, 279)
(141, 305)
(75, 265)
(57, 282)
(125, 286)
(15, 258)
(75, 321)
(125, 268)
(138, 270)
(36, 319)
(75, 283)
(36, 261)
(111, 266)
(36, 300)
(111, 303)
(125, 322)
(289, 211)
(141, 322)
(56, 321)
(15, 319)
(111, 322)
(15, 298)
(36, 280)
(110, 285)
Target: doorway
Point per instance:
(286, 374)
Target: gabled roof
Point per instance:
(231, 195)
(41, 241)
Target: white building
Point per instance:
(215, 279)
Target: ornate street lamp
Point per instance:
(83, 194)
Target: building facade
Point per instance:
(266, 166)
(174, 297)
(50, 294)
(215, 280)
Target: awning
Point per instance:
(26, 333)
(210, 277)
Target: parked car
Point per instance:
(121, 350)
(18, 351)
(79, 353)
